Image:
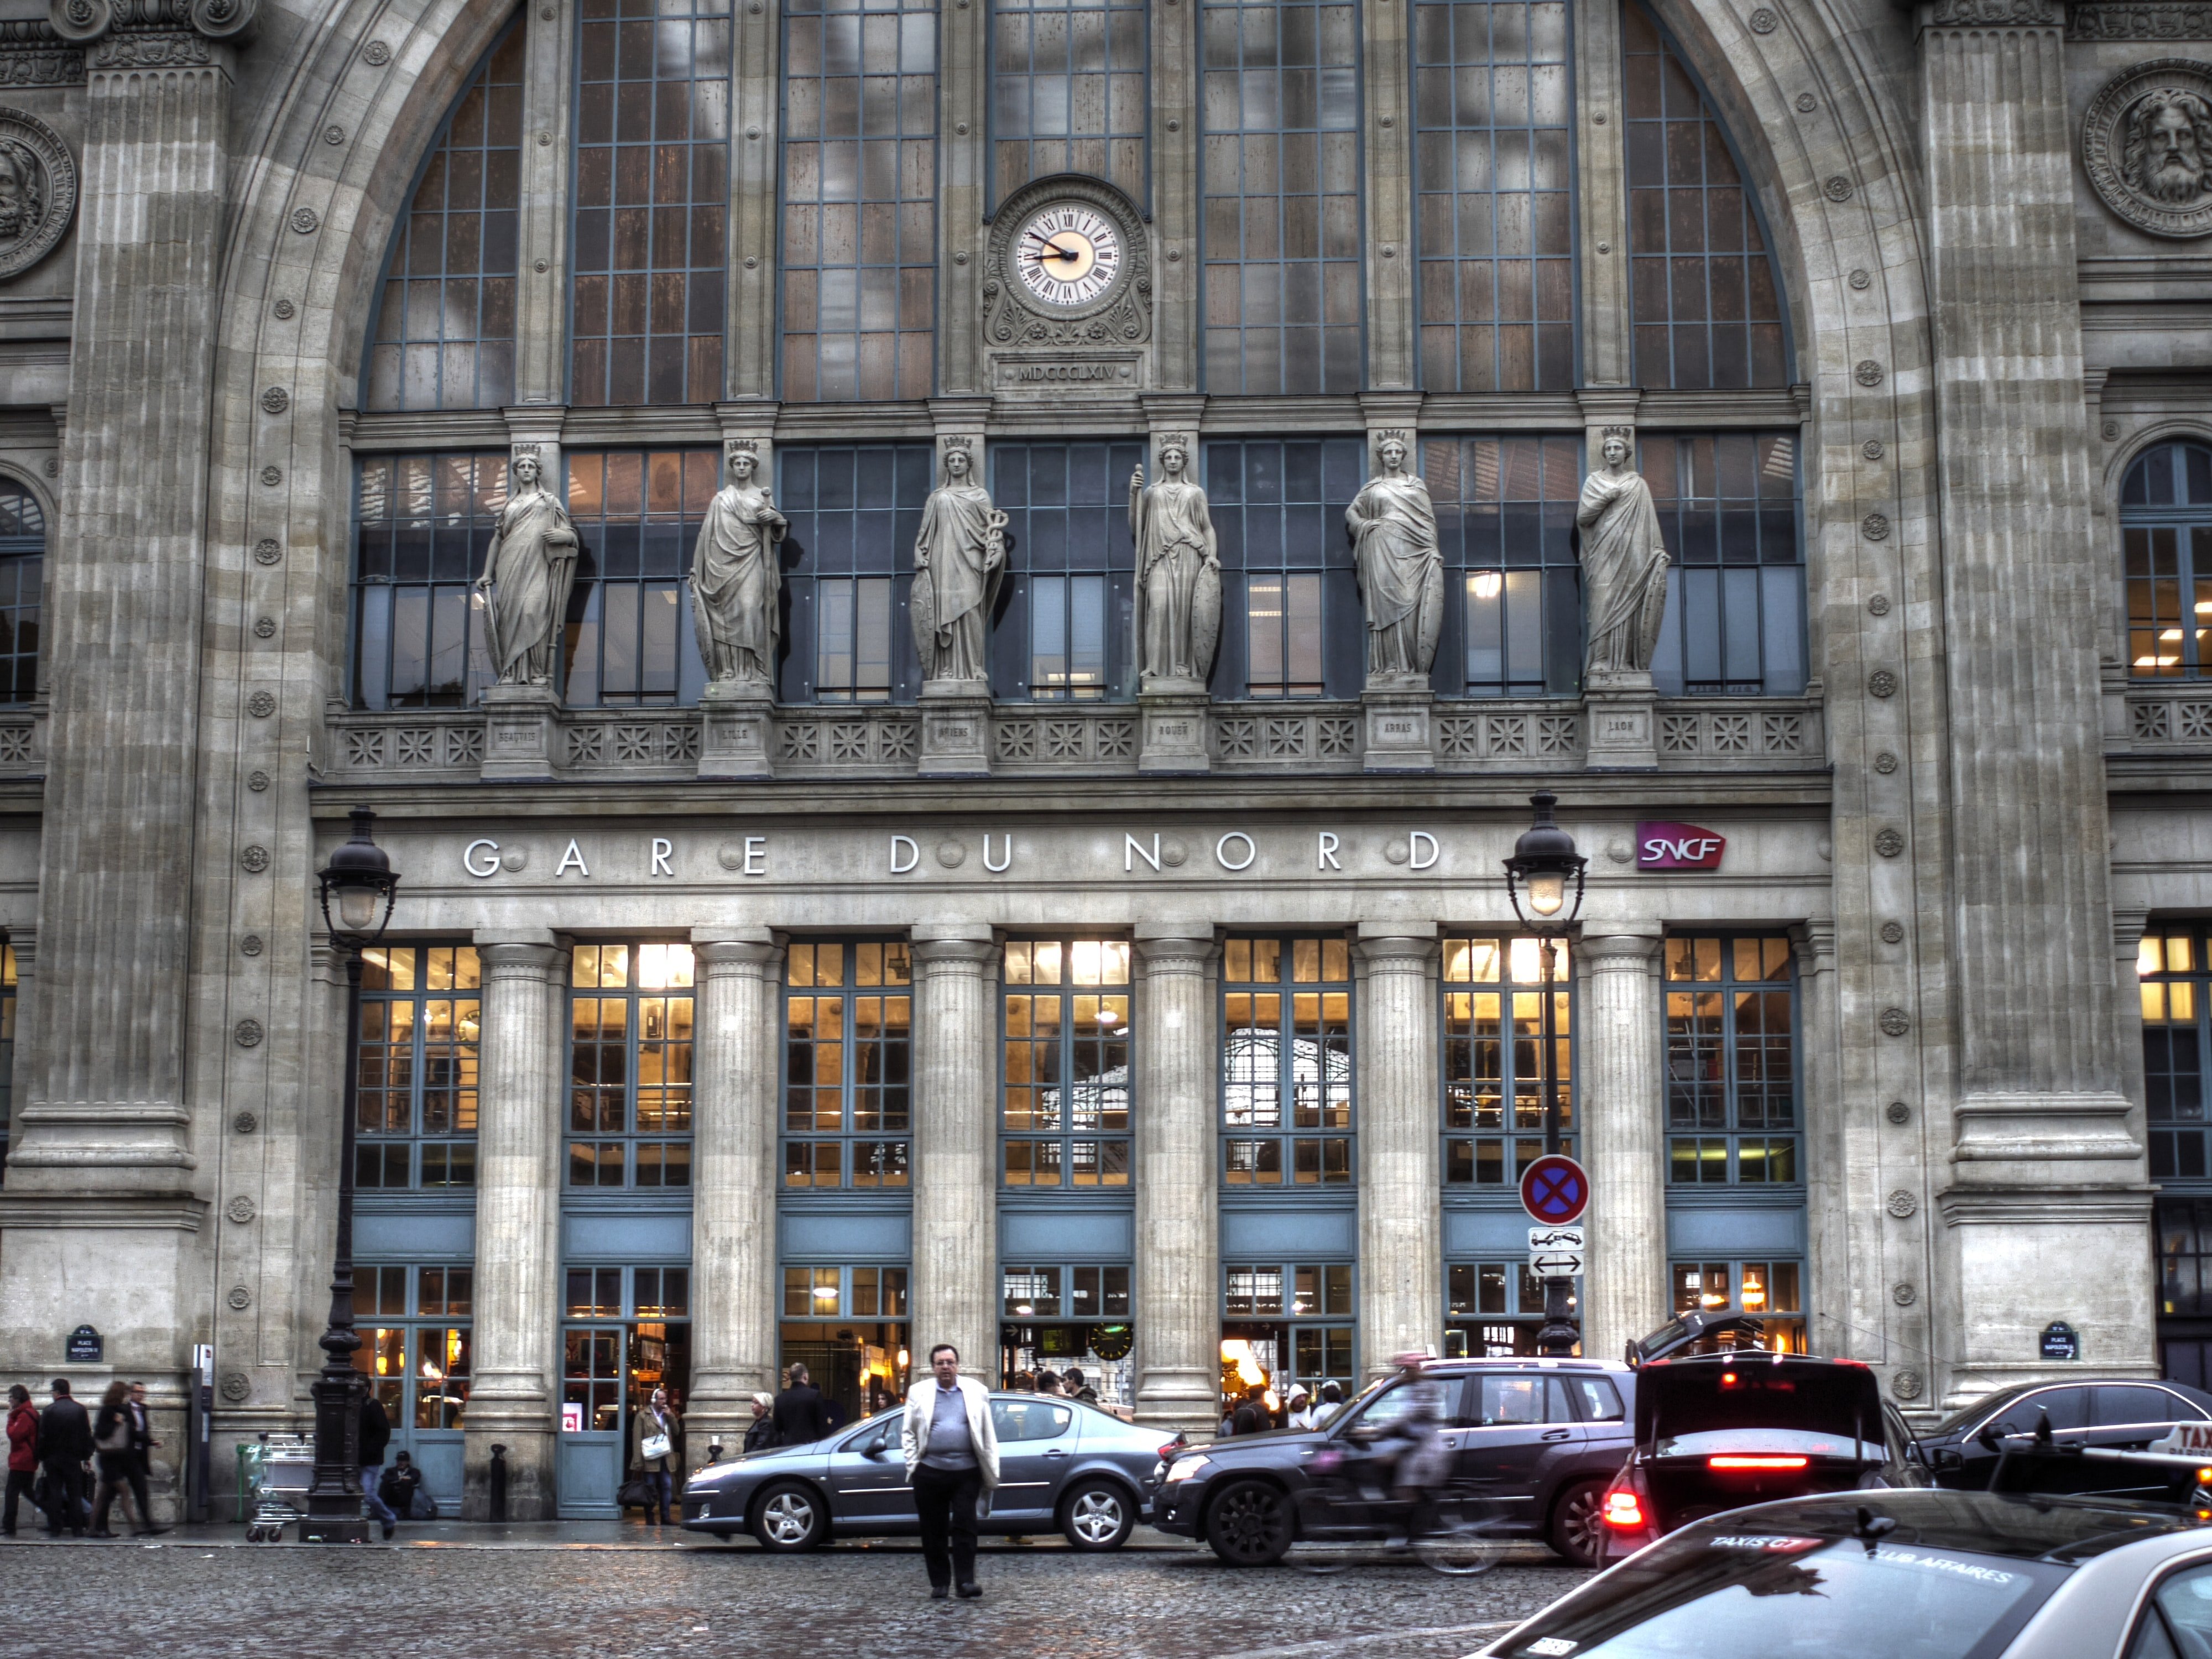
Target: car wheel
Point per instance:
(1098, 1515)
(1578, 1523)
(789, 1518)
(1249, 1524)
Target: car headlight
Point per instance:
(1184, 1467)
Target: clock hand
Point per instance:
(1055, 248)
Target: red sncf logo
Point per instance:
(1678, 847)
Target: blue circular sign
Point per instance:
(1555, 1189)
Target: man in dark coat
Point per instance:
(1251, 1417)
(64, 1444)
(800, 1416)
(375, 1436)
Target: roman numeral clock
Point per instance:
(1067, 289)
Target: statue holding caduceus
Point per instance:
(959, 559)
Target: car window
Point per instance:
(1516, 1397)
(2177, 1623)
(875, 1436)
(2118, 1405)
(1396, 1401)
(2068, 1408)
(1598, 1399)
(1029, 1419)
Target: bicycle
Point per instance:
(1454, 1529)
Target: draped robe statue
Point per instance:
(527, 571)
(959, 557)
(1624, 567)
(1178, 574)
(1401, 569)
(734, 579)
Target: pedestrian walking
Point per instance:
(1048, 1382)
(654, 1435)
(1078, 1387)
(951, 1449)
(22, 1454)
(1251, 1417)
(375, 1436)
(111, 1440)
(759, 1434)
(801, 1420)
(64, 1444)
(142, 1457)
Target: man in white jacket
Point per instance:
(952, 1449)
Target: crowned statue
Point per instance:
(528, 571)
(1178, 575)
(735, 578)
(959, 559)
(1400, 568)
(1624, 567)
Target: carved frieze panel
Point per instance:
(2147, 19)
(2147, 146)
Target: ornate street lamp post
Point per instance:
(357, 888)
(1544, 862)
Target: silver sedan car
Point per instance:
(1904, 1575)
(1063, 1466)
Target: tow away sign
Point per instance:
(1557, 1252)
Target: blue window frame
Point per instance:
(860, 199)
(1067, 91)
(629, 1067)
(422, 1015)
(1771, 1289)
(1706, 297)
(847, 1067)
(423, 526)
(1493, 102)
(1494, 1064)
(1729, 513)
(1292, 626)
(1286, 1070)
(2174, 978)
(1732, 1118)
(1067, 1081)
(22, 590)
(846, 1324)
(1505, 519)
(2166, 526)
(415, 1348)
(651, 244)
(630, 637)
(1284, 1322)
(1494, 1308)
(1280, 181)
(1065, 632)
(444, 335)
(848, 566)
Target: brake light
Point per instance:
(1740, 1461)
(1167, 1451)
(1624, 1511)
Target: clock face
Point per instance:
(1068, 254)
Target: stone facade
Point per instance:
(1954, 825)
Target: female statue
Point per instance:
(734, 579)
(1178, 574)
(1401, 569)
(958, 558)
(525, 586)
(1624, 566)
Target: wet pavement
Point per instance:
(606, 1590)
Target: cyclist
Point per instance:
(1410, 1449)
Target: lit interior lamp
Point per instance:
(1487, 584)
(1754, 1292)
(825, 1292)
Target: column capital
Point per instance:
(1398, 947)
(952, 944)
(132, 34)
(734, 948)
(2130, 922)
(516, 959)
(1182, 946)
(1616, 951)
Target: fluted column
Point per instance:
(2041, 1121)
(518, 1227)
(733, 1122)
(1621, 1101)
(1401, 1291)
(956, 1142)
(1178, 1210)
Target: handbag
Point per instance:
(117, 1439)
(654, 1446)
(633, 1494)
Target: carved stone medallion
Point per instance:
(1906, 1384)
(245, 1123)
(2147, 146)
(38, 191)
(1894, 1022)
(1893, 932)
(236, 1385)
(248, 1034)
(240, 1209)
(1897, 1112)
(1888, 843)
(240, 1299)
(1902, 1203)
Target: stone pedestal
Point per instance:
(1623, 1115)
(1621, 711)
(733, 1276)
(522, 733)
(1401, 735)
(1401, 1275)
(956, 731)
(518, 1229)
(1173, 716)
(1178, 1209)
(955, 1290)
(737, 729)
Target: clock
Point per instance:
(1068, 255)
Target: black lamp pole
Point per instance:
(1544, 862)
(360, 885)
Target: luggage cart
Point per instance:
(273, 1473)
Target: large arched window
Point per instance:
(444, 336)
(2166, 524)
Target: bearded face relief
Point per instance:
(2147, 146)
(2168, 133)
(38, 191)
(12, 195)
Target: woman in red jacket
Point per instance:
(22, 1452)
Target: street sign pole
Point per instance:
(1558, 1335)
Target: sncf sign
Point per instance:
(1677, 846)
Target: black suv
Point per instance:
(2114, 1412)
(1542, 1436)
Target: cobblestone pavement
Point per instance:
(201, 1597)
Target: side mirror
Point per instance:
(1947, 1457)
(1990, 1433)
(872, 1448)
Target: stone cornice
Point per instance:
(33, 55)
(77, 1211)
(2143, 20)
(1992, 14)
(139, 34)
